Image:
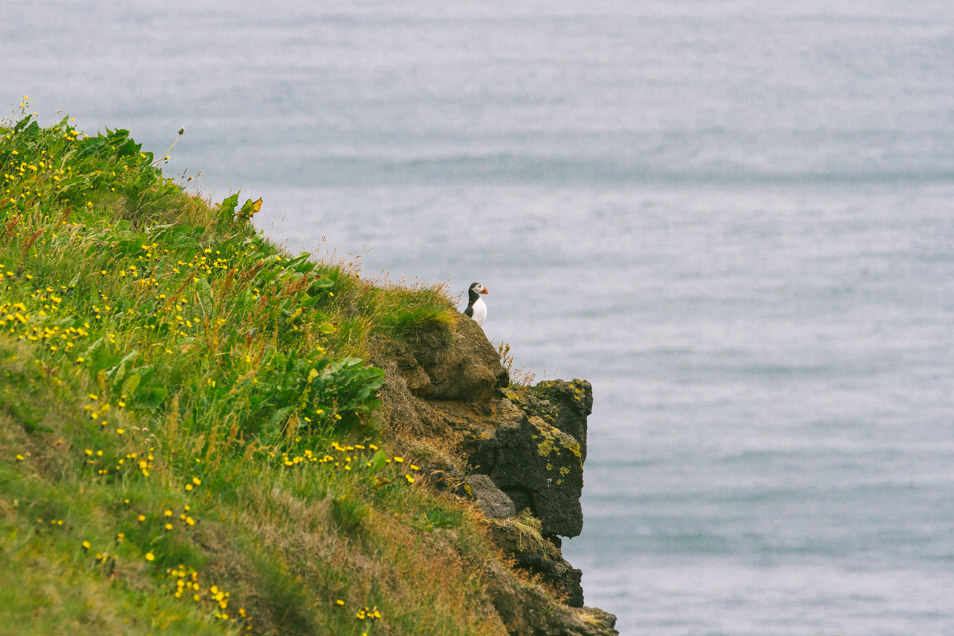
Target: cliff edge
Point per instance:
(515, 452)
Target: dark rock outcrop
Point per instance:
(527, 611)
(538, 465)
(523, 449)
(565, 405)
(520, 538)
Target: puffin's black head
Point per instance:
(476, 289)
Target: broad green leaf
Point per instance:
(130, 384)
(378, 461)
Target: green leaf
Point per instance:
(130, 384)
(119, 370)
(23, 123)
(279, 416)
(153, 397)
(90, 147)
(128, 149)
(378, 461)
(322, 283)
(227, 207)
(92, 347)
(301, 264)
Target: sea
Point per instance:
(734, 217)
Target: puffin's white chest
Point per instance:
(480, 311)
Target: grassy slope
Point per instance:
(187, 441)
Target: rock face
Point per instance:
(464, 368)
(528, 612)
(520, 537)
(565, 405)
(524, 449)
(539, 465)
(493, 501)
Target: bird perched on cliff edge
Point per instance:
(476, 308)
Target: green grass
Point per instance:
(188, 440)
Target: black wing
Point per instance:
(469, 312)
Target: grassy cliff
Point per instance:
(188, 432)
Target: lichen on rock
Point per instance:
(539, 467)
(566, 403)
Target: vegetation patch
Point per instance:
(188, 440)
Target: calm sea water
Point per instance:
(735, 218)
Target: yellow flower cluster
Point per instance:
(53, 522)
(45, 174)
(188, 586)
(168, 516)
(363, 614)
(195, 483)
(96, 409)
(23, 173)
(203, 263)
(17, 321)
(130, 462)
(368, 614)
(349, 457)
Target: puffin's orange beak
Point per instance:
(484, 291)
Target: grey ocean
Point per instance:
(735, 218)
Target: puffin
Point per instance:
(476, 308)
